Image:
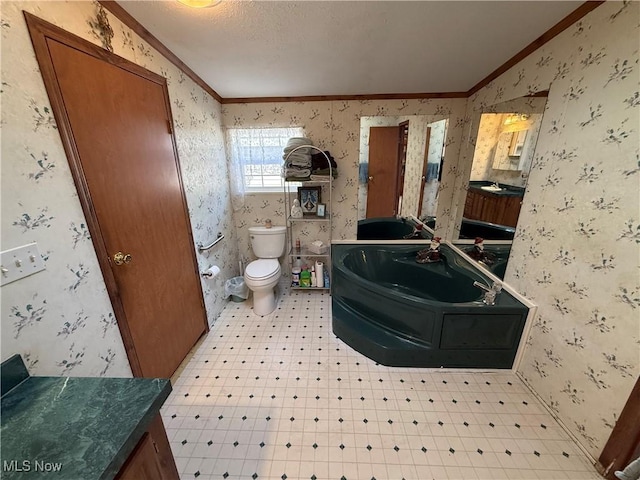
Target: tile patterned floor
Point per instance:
(280, 397)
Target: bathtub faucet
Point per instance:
(490, 293)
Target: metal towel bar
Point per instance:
(218, 238)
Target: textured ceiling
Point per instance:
(294, 48)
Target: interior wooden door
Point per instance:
(425, 165)
(115, 121)
(623, 445)
(382, 193)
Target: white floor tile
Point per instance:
(280, 397)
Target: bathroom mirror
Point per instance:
(504, 150)
(400, 164)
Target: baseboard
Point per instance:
(571, 435)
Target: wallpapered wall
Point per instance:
(578, 229)
(575, 253)
(434, 155)
(336, 126)
(413, 163)
(61, 320)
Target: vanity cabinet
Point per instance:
(511, 211)
(151, 459)
(493, 208)
(90, 428)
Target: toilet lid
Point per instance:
(262, 268)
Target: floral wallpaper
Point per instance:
(575, 253)
(335, 125)
(434, 156)
(60, 320)
(578, 228)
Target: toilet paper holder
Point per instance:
(211, 272)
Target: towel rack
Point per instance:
(204, 249)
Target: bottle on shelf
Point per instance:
(297, 245)
(305, 278)
(313, 276)
(295, 272)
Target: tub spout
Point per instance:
(490, 293)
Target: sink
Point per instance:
(492, 188)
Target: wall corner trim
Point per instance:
(554, 31)
(125, 17)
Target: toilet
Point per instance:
(262, 275)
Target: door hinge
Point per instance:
(169, 127)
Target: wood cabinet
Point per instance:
(511, 211)
(152, 458)
(489, 207)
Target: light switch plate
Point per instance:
(20, 262)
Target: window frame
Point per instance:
(235, 136)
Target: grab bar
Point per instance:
(218, 238)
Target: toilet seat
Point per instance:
(262, 271)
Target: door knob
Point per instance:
(122, 258)
(370, 178)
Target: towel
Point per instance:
(297, 173)
(298, 161)
(298, 158)
(325, 172)
(319, 161)
(363, 173)
(296, 142)
(304, 151)
(432, 171)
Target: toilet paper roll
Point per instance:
(319, 275)
(211, 272)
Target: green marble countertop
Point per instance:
(87, 426)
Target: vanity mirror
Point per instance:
(400, 163)
(504, 150)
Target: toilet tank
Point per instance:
(267, 242)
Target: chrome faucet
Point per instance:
(490, 293)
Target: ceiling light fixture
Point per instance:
(200, 3)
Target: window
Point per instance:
(256, 154)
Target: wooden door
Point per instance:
(623, 445)
(382, 193)
(115, 122)
(425, 165)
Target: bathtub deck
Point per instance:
(280, 397)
